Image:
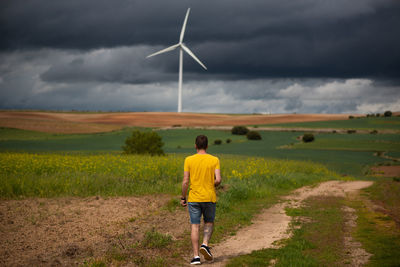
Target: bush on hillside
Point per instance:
(351, 117)
(228, 141)
(144, 143)
(240, 130)
(253, 135)
(351, 131)
(387, 113)
(217, 142)
(308, 137)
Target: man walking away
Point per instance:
(203, 171)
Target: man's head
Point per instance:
(201, 142)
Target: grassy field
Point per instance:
(252, 183)
(372, 123)
(51, 175)
(255, 174)
(352, 142)
(319, 230)
(343, 153)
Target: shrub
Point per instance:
(374, 132)
(351, 131)
(240, 130)
(308, 137)
(144, 143)
(378, 115)
(217, 142)
(228, 141)
(351, 117)
(387, 113)
(253, 135)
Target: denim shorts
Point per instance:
(196, 209)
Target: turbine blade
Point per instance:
(164, 50)
(187, 50)
(184, 26)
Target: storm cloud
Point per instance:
(262, 56)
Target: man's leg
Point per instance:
(208, 230)
(195, 215)
(209, 216)
(195, 239)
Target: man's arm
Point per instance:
(185, 186)
(217, 180)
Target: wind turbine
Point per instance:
(182, 47)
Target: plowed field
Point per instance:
(54, 122)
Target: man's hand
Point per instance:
(183, 202)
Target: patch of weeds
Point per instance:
(116, 254)
(154, 239)
(94, 263)
(157, 262)
(172, 205)
(293, 212)
(132, 219)
(33, 220)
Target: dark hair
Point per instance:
(201, 142)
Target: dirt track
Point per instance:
(273, 223)
(53, 122)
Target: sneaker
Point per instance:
(195, 261)
(205, 251)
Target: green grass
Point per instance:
(353, 142)
(17, 134)
(154, 239)
(377, 230)
(30, 141)
(377, 123)
(349, 162)
(317, 242)
(394, 154)
(318, 232)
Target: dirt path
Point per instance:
(273, 224)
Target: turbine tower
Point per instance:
(182, 47)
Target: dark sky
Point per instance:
(262, 56)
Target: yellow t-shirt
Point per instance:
(201, 168)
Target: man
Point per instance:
(203, 171)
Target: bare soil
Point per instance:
(66, 231)
(386, 171)
(53, 122)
